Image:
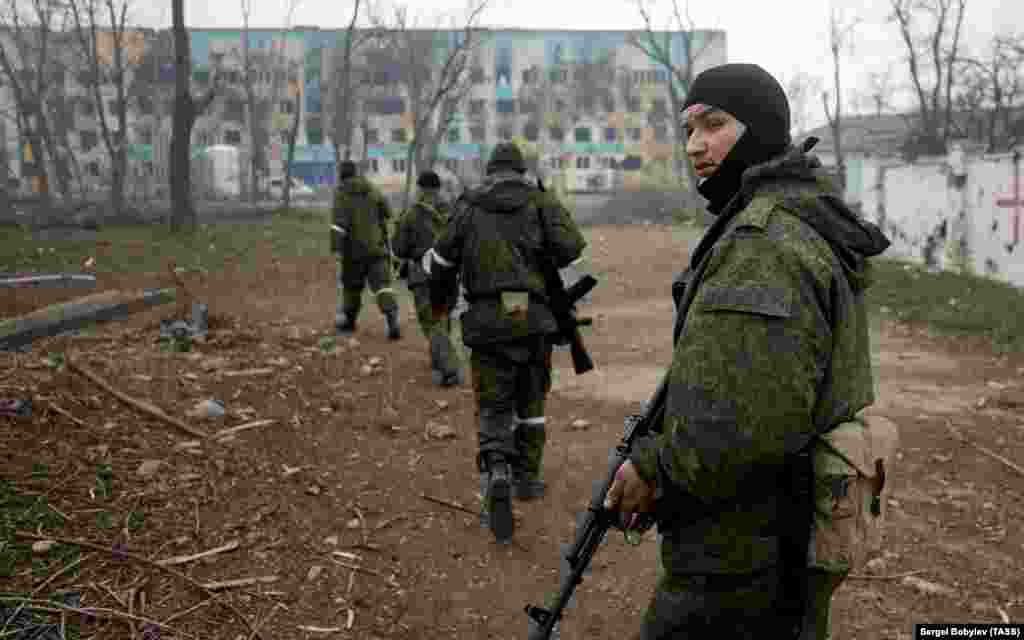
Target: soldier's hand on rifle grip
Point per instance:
(630, 495)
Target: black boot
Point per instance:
(394, 331)
(497, 509)
(345, 323)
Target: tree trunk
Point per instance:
(183, 212)
(293, 133)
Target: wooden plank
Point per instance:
(81, 312)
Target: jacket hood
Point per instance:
(356, 184)
(503, 192)
(807, 192)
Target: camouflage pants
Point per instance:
(438, 334)
(511, 381)
(353, 275)
(734, 606)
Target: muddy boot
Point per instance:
(496, 514)
(394, 331)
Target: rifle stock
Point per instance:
(597, 521)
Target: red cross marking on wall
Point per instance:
(1015, 202)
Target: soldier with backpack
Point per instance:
(494, 243)
(361, 238)
(419, 227)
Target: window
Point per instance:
(556, 134)
(658, 106)
(660, 133)
(454, 135)
(88, 140)
(633, 104)
(373, 165)
(398, 165)
(635, 133)
(476, 107)
(531, 131)
(559, 105)
(476, 76)
(505, 105)
(389, 106)
(660, 76)
(452, 164)
(558, 163)
(607, 162)
(587, 104)
(528, 106)
(582, 162)
(559, 76)
(582, 134)
(398, 135)
(88, 108)
(287, 106)
(531, 75)
(608, 103)
(611, 134)
(505, 133)
(112, 106)
(372, 136)
(232, 137)
(477, 134)
(93, 168)
(145, 136)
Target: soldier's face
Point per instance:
(711, 134)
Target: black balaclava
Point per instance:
(756, 99)
(347, 169)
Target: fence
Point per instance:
(956, 213)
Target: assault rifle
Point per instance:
(596, 521)
(563, 303)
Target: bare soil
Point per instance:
(338, 481)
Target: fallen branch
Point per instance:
(141, 405)
(39, 588)
(118, 553)
(988, 452)
(231, 546)
(247, 372)
(358, 568)
(239, 582)
(446, 503)
(49, 606)
(67, 414)
(230, 431)
(894, 576)
(303, 627)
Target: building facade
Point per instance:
(590, 107)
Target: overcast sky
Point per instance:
(784, 36)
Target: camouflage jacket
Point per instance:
(417, 230)
(495, 239)
(771, 348)
(363, 212)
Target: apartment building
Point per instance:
(590, 106)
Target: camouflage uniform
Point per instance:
(364, 254)
(494, 240)
(416, 233)
(771, 348)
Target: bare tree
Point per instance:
(990, 88)
(658, 47)
(31, 67)
(293, 76)
(879, 91)
(186, 110)
(803, 90)
(840, 32)
(426, 84)
(87, 26)
(932, 51)
(349, 84)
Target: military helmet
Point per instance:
(506, 157)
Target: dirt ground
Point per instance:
(336, 502)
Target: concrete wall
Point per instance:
(944, 212)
